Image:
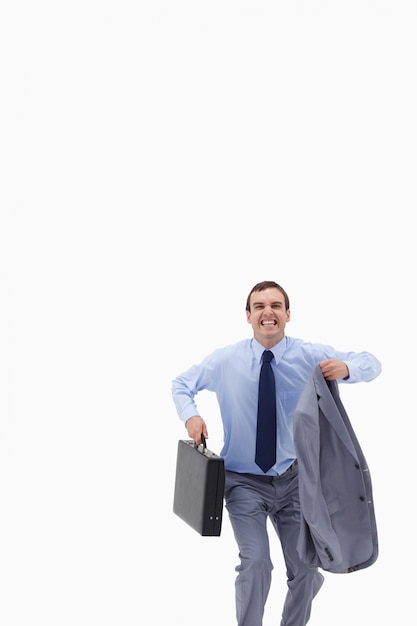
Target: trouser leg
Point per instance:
(303, 581)
(248, 517)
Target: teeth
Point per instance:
(268, 323)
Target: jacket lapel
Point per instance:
(330, 406)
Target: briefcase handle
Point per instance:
(203, 442)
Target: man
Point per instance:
(253, 494)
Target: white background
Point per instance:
(157, 160)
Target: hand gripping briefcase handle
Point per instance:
(203, 442)
(199, 487)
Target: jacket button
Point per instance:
(357, 465)
(362, 498)
(329, 554)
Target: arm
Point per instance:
(351, 367)
(184, 389)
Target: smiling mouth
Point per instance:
(268, 323)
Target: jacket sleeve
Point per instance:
(318, 544)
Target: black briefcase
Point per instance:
(199, 487)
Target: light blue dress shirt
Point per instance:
(232, 373)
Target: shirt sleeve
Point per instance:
(184, 389)
(363, 367)
(186, 386)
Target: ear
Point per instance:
(248, 317)
(288, 315)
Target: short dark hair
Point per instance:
(268, 284)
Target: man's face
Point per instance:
(268, 316)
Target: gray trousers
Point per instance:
(250, 501)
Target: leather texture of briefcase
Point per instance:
(199, 487)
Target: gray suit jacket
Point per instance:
(338, 529)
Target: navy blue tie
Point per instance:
(266, 432)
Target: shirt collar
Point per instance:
(277, 350)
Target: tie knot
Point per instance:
(267, 356)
